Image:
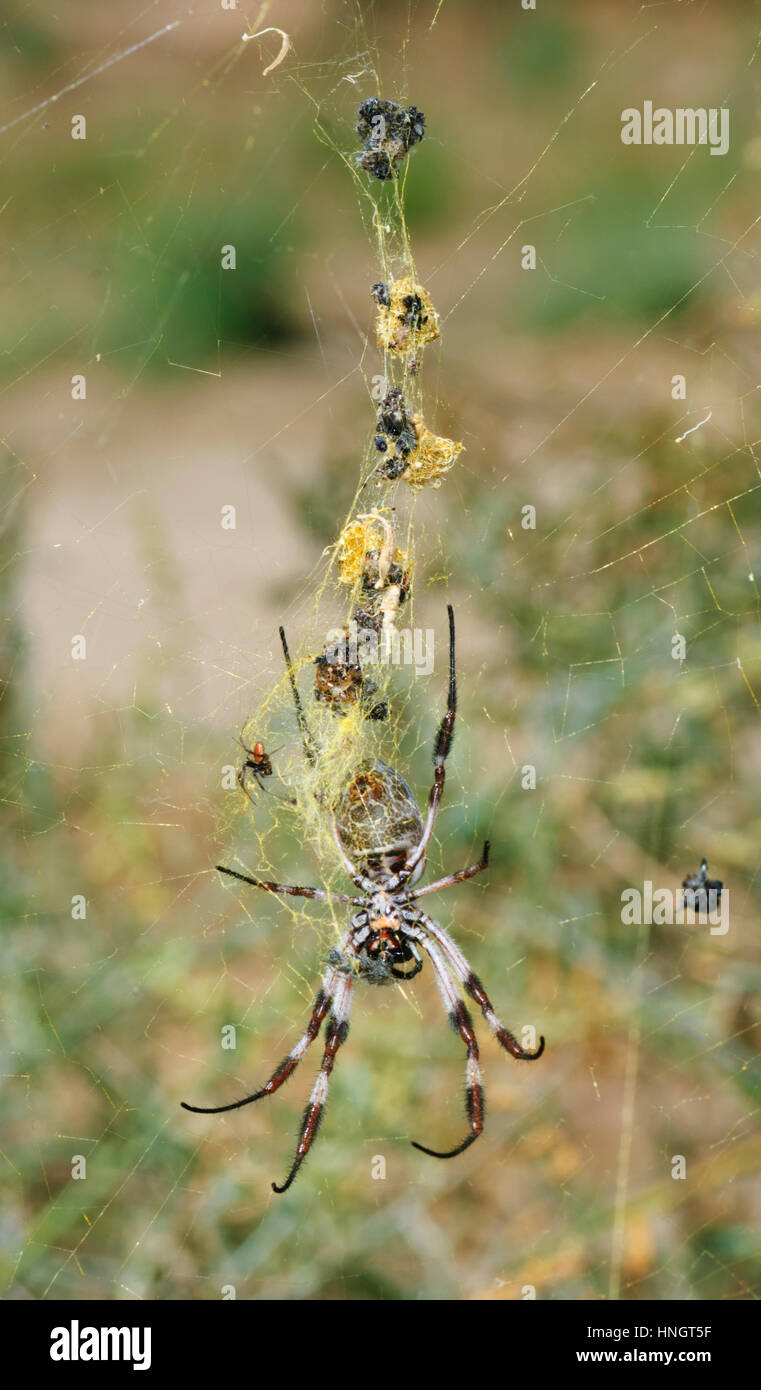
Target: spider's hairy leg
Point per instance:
(289, 1064)
(336, 1030)
(462, 1023)
(450, 880)
(241, 780)
(321, 894)
(306, 737)
(441, 747)
(475, 989)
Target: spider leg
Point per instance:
(441, 747)
(475, 989)
(241, 780)
(336, 1030)
(321, 894)
(450, 879)
(306, 737)
(463, 1024)
(366, 884)
(289, 1063)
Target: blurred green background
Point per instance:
(206, 388)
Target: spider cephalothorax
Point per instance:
(380, 948)
(382, 840)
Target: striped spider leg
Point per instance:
(463, 1024)
(333, 1003)
(448, 960)
(442, 744)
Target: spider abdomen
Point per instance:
(378, 820)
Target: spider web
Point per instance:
(209, 388)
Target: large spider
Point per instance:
(382, 841)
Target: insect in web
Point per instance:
(698, 889)
(382, 841)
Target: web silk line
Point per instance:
(87, 77)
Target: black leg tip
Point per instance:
(284, 1186)
(451, 1153)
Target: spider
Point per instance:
(382, 842)
(259, 764)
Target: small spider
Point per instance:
(698, 888)
(382, 842)
(259, 764)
